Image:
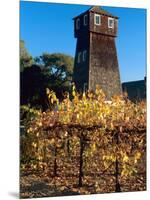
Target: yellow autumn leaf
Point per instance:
(125, 158)
(29, 130)
(113, 158)
(34, 166)
(135, 161)
(104, 157)
(111, 125)
(73, 93)
(52, 100)
(40, 124)
(78, 116)
(137, 155)
(106, 165)
(84, 96)
(127, 119)
(40, 158)
(52, 141)
(47, 90)
(125, 172)
(93, 147)
(34, 144)
(37, 134)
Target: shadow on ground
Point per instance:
(42, 189)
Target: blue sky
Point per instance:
(48, 27)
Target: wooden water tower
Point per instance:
(96, 60)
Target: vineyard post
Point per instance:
(117, 185)
(44, 151)
(81, 160)
(38, 147)
(55, 162)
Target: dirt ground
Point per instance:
(36, 184)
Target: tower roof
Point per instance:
(98, 10)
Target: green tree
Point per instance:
(33, 87)
(26, 59)
(58, 66)
(53, 71)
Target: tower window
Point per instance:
(79, 57)
(84, 55)
(85, 20)
(78, 24)
(97, 19)
(110, 22)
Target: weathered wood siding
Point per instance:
(83, 29)
(81, 70)
(104, 69)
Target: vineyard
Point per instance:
(83, 145)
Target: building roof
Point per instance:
(134, 83)
(98, 10)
